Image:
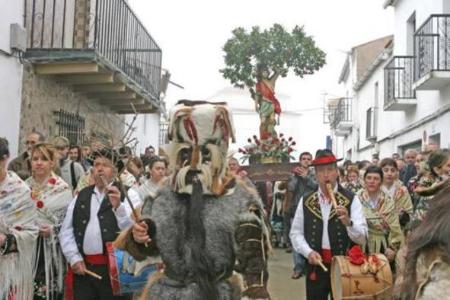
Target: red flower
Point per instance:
(258, 142)
(290, 139)
(356, 255)
(39, 204)
(18, 228)
(290, 150)
(249, 140)
(281, 135)
(294, 143)
(313, 276)
(52, 181)
(255, 138)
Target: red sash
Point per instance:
(267, 93)
(97, 259)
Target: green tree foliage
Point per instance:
(275, 50)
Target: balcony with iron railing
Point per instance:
(432, 51)
(341, 120)
(398, 84)
(98, 46)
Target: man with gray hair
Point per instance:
(409, 171)
(21, 165)
(71, 171)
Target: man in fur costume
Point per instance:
(203, 223)
(427, 272)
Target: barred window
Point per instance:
(71, 126)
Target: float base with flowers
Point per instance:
(269, 159)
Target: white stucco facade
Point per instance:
(10, 75)
(425, 122)
(146, 131)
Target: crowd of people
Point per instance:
(70, 214)
(39, 216)
(55, 221)
(393, 197)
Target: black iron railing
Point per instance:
(398, 79)
(109, 28)
(71, 126)
(432, 45)
(371, 123)
(342, 113)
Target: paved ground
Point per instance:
(281, 286)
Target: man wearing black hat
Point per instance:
(323, 228)
(94, 217)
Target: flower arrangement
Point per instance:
(279, 148)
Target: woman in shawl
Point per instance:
(395, 189)
(385, 235)
(432, 182)
(51, 195)
(17, 233)
(157, 167)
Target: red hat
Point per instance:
(324, 157)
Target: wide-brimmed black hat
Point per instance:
(324, 157)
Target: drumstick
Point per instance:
(93, 274)
(133, 210)
(323, 266)
(331, 195)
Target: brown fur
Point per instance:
(431, 235)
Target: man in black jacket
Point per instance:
(95, 217)
(301, 182)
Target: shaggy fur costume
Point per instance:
(234, 231)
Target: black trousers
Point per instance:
(320, 288)
(86, 287)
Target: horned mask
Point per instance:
(199, 135)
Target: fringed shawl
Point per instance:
(51, 200)
(383, 223)
(17, 217)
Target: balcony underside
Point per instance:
(400, 104)
(344, 126)
(434, 80)
(94, 77)
(339, 132)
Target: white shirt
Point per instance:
(92, 243)
(357, 233)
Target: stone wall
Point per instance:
(42, 95)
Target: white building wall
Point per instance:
(146, 131)
(10, 75)
(395, 129)
(422, 9)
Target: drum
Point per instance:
(349, 281)
(126, 274)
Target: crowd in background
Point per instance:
(395, 192)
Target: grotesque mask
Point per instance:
(199, 135)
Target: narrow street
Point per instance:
(281, 286)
